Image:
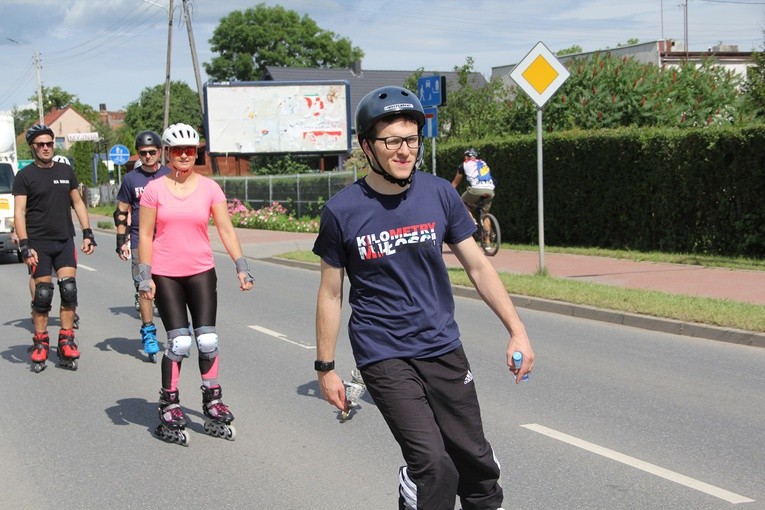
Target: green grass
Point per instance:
(710, 311)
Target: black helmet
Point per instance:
(384, 102)
(471, 152)
(147, 138)
(37, 130)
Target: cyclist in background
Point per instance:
(480, 183)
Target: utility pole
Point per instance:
(685, 29)
(38, 67)
(167, 68)
(194, 61)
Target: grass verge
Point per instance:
(715, 312)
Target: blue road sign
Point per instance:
(119, 154)
(431, 90)
(430, 129)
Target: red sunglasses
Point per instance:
(189, 151)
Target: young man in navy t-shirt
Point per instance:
(386, 231)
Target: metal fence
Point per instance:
(301, 194)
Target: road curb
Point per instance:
(675, 327)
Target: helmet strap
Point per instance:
(385, 175)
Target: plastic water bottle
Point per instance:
(517, 360)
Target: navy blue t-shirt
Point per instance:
(391, 249)
(130, 192)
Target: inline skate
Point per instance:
(67, 349)
(172, 421)
(218, 417)
(39, 350)
(354, 390)
(149, 339)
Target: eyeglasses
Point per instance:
(148, 153)
(40, 145)
(178, 151)
(394, 142)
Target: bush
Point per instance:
(273, 217)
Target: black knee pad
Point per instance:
(43, 297)
(68, 289)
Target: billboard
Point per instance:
(270, 117)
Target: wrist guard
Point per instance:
(143, 278)
(121, 239)
(243, 267)
(87, 233)
(26, 252)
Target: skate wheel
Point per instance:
(153, 358)
(230, 433)
(38, 367)
(183, 438)
(74, 365)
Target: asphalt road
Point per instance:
(613, 417)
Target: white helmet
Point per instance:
(180, 135)
(62, 159)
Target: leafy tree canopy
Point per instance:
(148, 111)
(250, 40)
(568, 51)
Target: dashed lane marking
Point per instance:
(717, 492)
(280, 336)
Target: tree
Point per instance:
(754, 85)
(568, 51)
(250, 40)
(148, 111)
(58, 98)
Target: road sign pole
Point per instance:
(433, 154)
(540, 193)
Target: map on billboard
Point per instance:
(272, 117)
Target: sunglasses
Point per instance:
(40, 145)
(178, 151)
(148, 153)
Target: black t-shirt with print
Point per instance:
(49, 202)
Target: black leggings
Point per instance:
(174, 294)
(198, 292)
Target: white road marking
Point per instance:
(86, 268)
(639, 464)
(280, 336)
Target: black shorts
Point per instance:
(52, 255)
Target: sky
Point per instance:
(109, 51)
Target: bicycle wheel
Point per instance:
(491, 240)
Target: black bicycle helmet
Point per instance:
(37, 130)
(471, 152)
(148, 139)
(385, 102)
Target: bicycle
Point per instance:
(488, 239)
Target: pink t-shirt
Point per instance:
(181, 245)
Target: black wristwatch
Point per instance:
(323, 366)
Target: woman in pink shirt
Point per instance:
(178, 270)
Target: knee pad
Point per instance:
(179, 344)
(68, 289)
(207, 342)
(43, 297)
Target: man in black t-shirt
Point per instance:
(44, 194)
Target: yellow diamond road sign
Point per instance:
(539, 74)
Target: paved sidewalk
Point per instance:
(746, 286)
